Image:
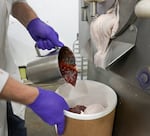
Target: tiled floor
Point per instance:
(35, 126)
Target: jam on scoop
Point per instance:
(67, 65)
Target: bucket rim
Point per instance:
(101, 114)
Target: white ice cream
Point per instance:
(94, 108)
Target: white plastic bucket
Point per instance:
(85, 93)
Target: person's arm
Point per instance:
(44, 35)
(18, 92)
(23, 12)
(47, 104)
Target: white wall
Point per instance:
(61, 15)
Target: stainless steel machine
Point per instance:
(131, 52)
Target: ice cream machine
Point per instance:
(130, 54)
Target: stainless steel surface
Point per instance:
(117, 47)
(132, 115)
(94, 0)
(136, 59)
(127, 16)
(120, 46)
(93, 8)
(46, 68)
(103, 7)
(117, 50)
(43, 69)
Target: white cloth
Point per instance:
(6, 63)
(3, 78)
(102, 29)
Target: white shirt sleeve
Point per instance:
(3, 79)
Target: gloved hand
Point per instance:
(49, 106)
(44, 35)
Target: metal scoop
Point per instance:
(58, 63)
(67, 65)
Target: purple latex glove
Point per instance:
(49, 106)
(44, 35)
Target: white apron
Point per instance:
(7, 63)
